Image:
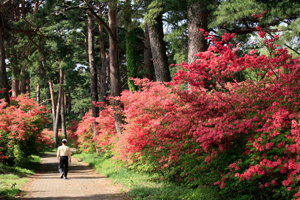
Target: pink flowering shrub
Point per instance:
(96, 133)
(85, 133)
(249, 130)
(71, 129)
(106, 136)
(146, 113)
(207, 128)
(21, 125)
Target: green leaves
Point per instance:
(155, 8)
(235, 11)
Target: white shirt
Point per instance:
(63, 151)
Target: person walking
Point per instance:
(63, 157)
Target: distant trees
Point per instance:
(3, 75)
(272, 17)
(68, 54)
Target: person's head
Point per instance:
(64, 141)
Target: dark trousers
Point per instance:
(63, 165)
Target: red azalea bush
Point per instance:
(242, 136)
(106, 131)
(85, 133)
(249, 130)
(156, 129)
(71, 129)
(21, 125)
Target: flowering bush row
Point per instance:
(101, 137)
(21, 125)
(205, 128)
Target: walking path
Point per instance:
(82, 183)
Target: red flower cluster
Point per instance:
(21, 124)
(248, 127)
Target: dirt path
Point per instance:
(82, 183)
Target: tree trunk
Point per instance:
(59, 114)
(62, 115)
(197, 18)
(22, 83)
(104, 63)
(27, 87)
(92, 65)
(38, 93)
(68, 101)
(62, 104)
(3, 75)
(158, 49)
(114, 63)
(15, 82)
(36, 6)
(15, 87)
(93, 71)
(55, 123)
(148, 64)
(53, 109)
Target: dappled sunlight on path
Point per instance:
(82, 183)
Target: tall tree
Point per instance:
(112, 29)
(197, 19)
(57, 112)
(104, 61)
(114, 62)
(5, 6)
(156, 35)
(57, 117)
(63, 104)
(3, 74)
(92, 64)
(148, 63)
(53, 106)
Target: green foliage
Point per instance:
(13, 178)
(177, 40)
(155, 8)
(142, 184)
(291, 38)
(233, 11)
(275, 17)
(131, 59)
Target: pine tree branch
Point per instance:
(104, 24)
(29, 37)
(294, 50)
(89, 8)
(291, 49)
(44, 101)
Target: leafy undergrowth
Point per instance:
(12, 178)
(144, 185)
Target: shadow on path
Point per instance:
(93, 197)
(82, 183)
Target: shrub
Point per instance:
(21, 125)
(240, 136)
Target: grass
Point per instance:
(143, 185)
(12, 178)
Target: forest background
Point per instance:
(204, 93)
